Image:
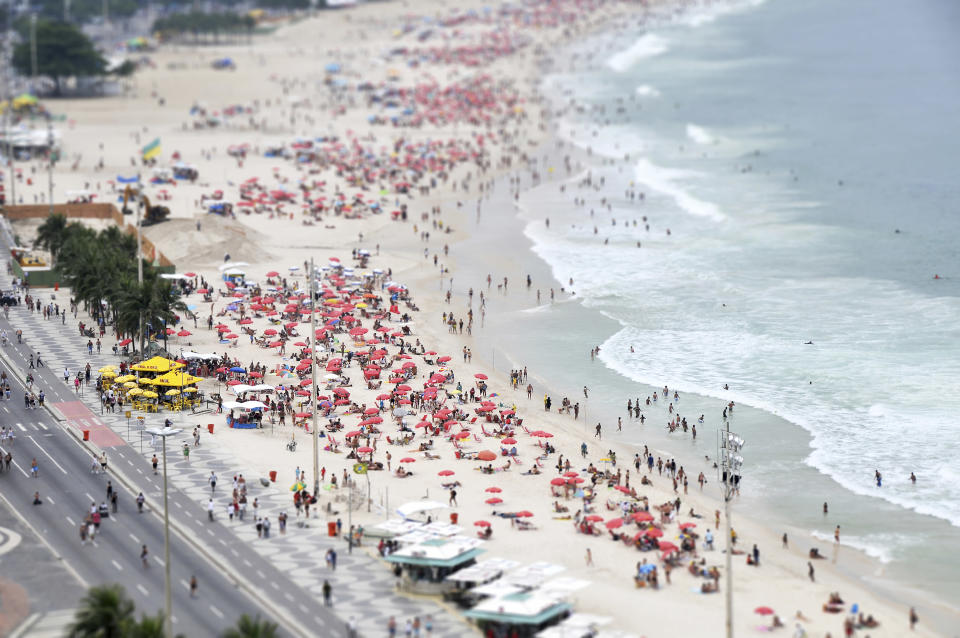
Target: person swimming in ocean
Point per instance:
(808, 343)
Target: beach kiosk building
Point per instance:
(521, 614)
(425, 565)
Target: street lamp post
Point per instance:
(315, 405)
(163, 433)
(50, 159)
(729, 445)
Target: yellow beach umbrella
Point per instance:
(149, 394)
(172, 393)
(108, 374)
(109, 368)
(145, 381)
(130, 384)
(188, 390)
(156, 364)
(134, 392)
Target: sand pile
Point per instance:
(180, 240)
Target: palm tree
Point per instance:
(105, 612)
(148, 627)
(152, 302)
(51, 234)
(248, 627)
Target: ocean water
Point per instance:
(802, 156)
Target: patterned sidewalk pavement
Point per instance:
(363, 586)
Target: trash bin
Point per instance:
(210, 428)
(454, 517)
(332, 529)
(86, 435)
(273, 474)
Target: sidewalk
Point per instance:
(362, 585)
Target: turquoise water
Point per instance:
(783, 144)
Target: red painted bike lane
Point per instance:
(79, 416)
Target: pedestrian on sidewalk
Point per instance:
(213, 482)
(154, 462)
(193, 587)
(327, 591)
(210, 509)
(140, 500)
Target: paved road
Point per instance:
(67, 488)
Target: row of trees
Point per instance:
(101, 271)
(63, 51)
(198, 23)
(107, 612)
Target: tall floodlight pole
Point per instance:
(50, 159)
(728, 448)
(33, 53)
(163, 433)
(314, 392)
(7, 68)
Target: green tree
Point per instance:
(148, 305)
(147, 627)
(105, 612)
(63, 51)
(51, 235)
(248, 627)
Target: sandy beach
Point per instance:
(470, 129)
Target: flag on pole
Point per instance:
(151, 150)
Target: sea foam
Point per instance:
(647, 46)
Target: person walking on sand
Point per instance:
(597, 435)
(589, 558)
(914, 618)
(810, 572)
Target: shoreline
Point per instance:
(858, 566)
(406, 259)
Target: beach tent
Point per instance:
(418, 507)
(156, 364)
(176, 379)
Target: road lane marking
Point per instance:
(42, 426)
(20, 425)
(135, 539)
(117, 565)
(47, 453)
(71, 521)
(50, 498)
(216, 612)
(160, 561)
(143, 590)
